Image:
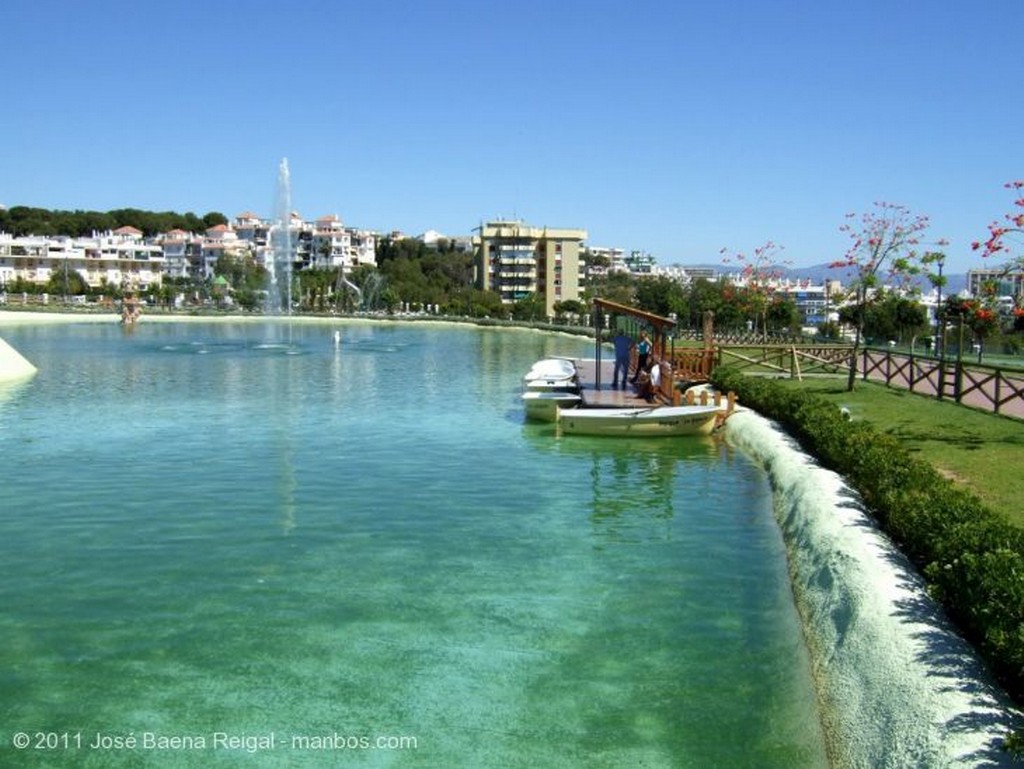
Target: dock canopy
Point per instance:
(656, 322)
(659, 326)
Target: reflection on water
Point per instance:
(633, 482)
(11, 391)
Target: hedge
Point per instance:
(971, 557)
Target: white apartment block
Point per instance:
(119, 259)
(335, 245)
(126, 260)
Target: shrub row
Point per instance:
(971, 557)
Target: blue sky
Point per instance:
(678, 128)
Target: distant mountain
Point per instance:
(821, 272)
(818, 273)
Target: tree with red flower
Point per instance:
(760, 276)
(887, 239)
(1010, 229)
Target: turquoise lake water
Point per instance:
(242, 545)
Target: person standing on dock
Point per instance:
(643, 353)
(623, 346)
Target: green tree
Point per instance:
(213, 219)
(781, 314)
(615, 286)
(475, 303)
(568, 307)
(66, 283)
(661, 295)
(315, 288)
(530, 308)
(246, 277)
(890, 316)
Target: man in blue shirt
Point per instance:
(623, 344)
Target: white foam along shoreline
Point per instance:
(897, 686)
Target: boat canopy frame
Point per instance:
(659, 327)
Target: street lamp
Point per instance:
(940, 326)
(938, 281)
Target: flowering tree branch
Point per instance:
(761, 274)
(999, 234)
(887, 239)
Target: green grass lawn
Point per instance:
(984, 452)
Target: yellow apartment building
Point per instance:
(516, 260)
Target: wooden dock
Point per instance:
(605, 397)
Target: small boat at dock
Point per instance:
(640, 422)
(544, 405)
(553, 375)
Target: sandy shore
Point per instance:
(32, 317)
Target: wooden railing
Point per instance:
(695, 365)
(998, 389)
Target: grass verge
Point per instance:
(980, 451)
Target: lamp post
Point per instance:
(940, 318)
(940, 326)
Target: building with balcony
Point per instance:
(1008, 282)
(119, 259)
(517, 260)
(333, 245)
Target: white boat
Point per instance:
(661, 420)
(553, 375)
(543, 405)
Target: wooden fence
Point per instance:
(991, 388)
(691, 364)
(998, 389)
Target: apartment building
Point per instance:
(127, 260)
(1007, 282)
(119, 259)
(332, 244)
(516, 260)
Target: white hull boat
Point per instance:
(544, 405)
(640, 422)
(553, 375)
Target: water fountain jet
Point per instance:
(280, 242)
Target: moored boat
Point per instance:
(553, 375)
(544, 405)
(658, 421)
